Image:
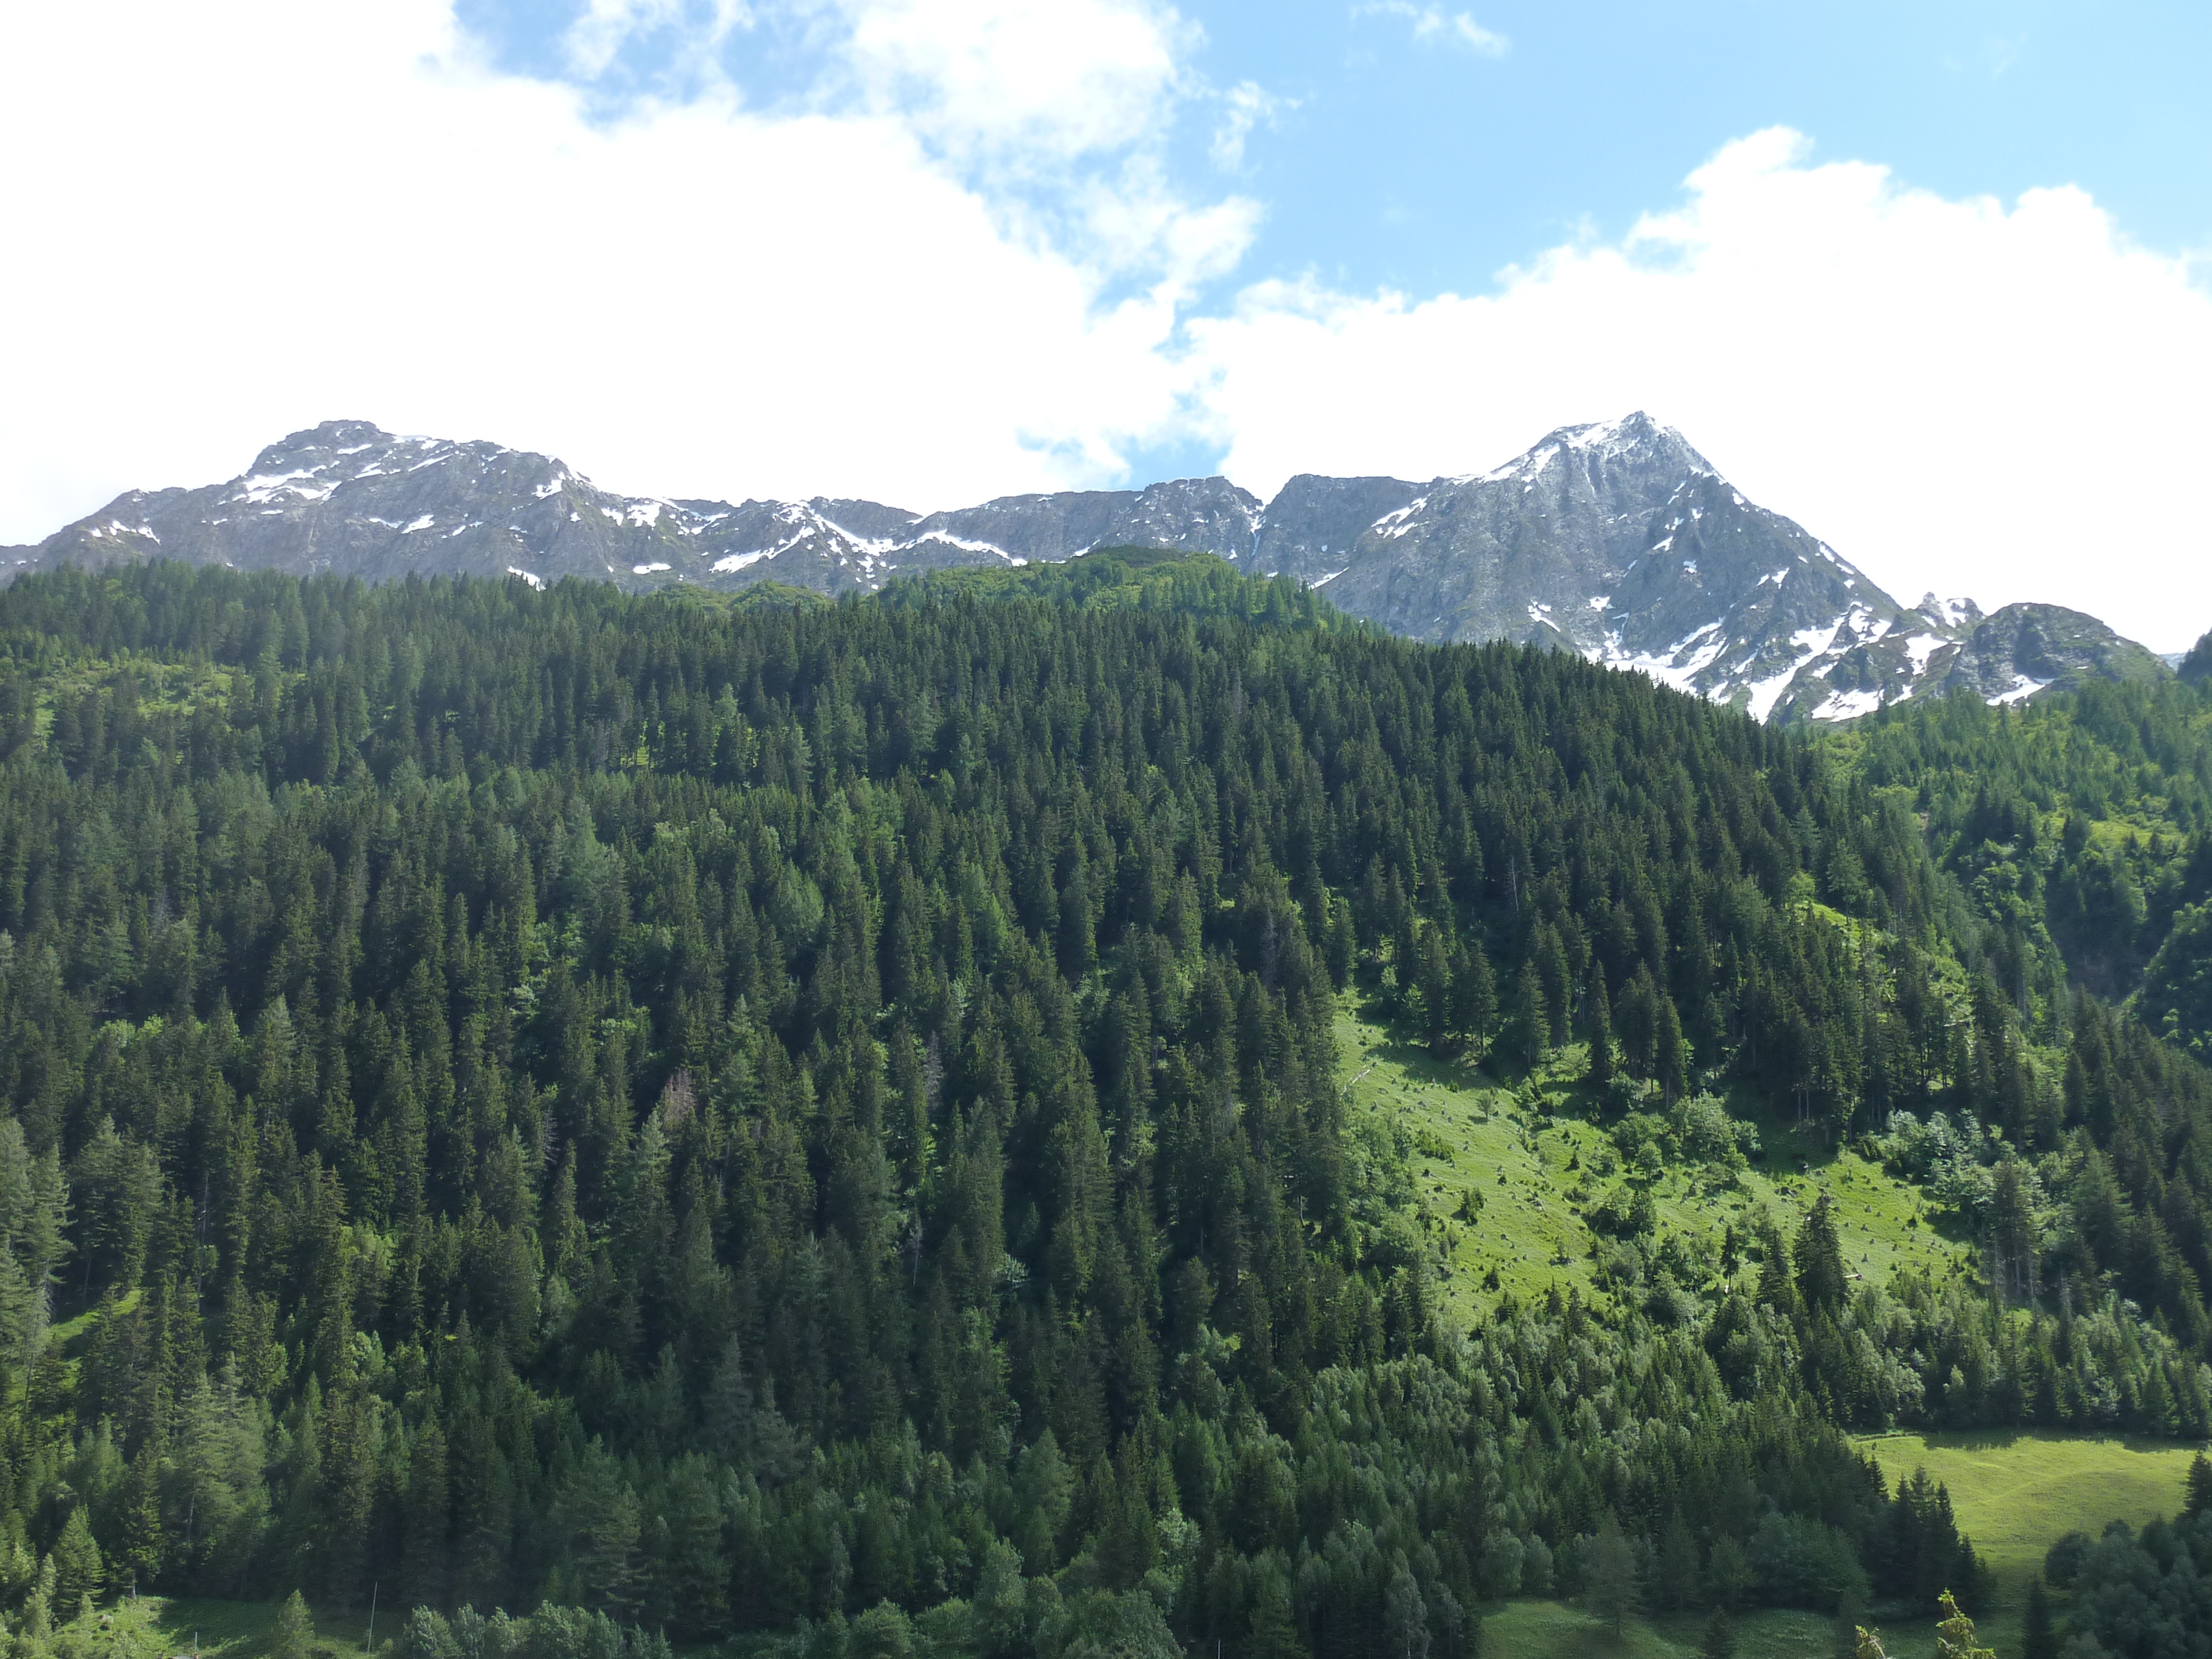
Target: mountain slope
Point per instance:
(1622, 543)
(350, 498)
(1618, 541)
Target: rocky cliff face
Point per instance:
(348, 497)
(1618, 541)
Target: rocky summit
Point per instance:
(1617, 540)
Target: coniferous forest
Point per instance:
(679, 1120)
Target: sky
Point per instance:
(1933, 279)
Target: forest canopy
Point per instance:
(773, 1118)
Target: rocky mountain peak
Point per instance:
(1589, 448)
(1615, 539)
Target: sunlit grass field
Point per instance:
(1536, 1169)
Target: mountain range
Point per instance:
(1618, 541)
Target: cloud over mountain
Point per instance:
(960, 263)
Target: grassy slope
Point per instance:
(1551, 1630)
(2014, 1493)
(1530, 1228)
(235, 1630)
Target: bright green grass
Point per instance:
(195, 1628)
(2016, 1494)
(1555, 1630)
(1530, 1229)
(242, 1630)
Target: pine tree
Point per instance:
(1599, 1014)
(1432, 977)
(1670, 1053)
(2038, 1632)
(78, 1570)
(1474, 997)
(1610, 1575)
(424, 1549)
(1677, 1563)
(1405, 1618)
(295, 1630)
(1719, 1639)
(1820, 1259)
(2197, 1488)
(1530, 1018)
(139, 1562)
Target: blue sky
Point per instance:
(1410, 157)
(1932, 279)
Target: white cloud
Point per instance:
(1245, 106)
(279, 214)
(605, 27)
(1022, 83)
(1432, 23)
(2003, 401)
(963, 270)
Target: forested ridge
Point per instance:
(826, 1119)
(2083, 830)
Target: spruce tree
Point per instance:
(1610, 1577)
(294, 1630)
(1433, 979)
(1474, 997)
(138, 1564)
(2196, 1490)
(1677, 1565)
(1670, 1053)
(520, 1006)
(1598, 1013)
(1820, 1259)
(1851, 1609)
(2038, 1632)
(1529, 1019)
(78, 1569)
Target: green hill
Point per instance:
(1092, 1109)
(1149, 579)
(2077, 829)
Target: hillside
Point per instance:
(2080, 832)
(938, 1120)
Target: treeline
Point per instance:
(1197, 585)
(2131, 1594)
(2079, 829)
(725, 1120)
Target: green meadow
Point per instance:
(1533, 1159)
(1528, 1148)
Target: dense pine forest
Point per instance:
(678, 1120)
